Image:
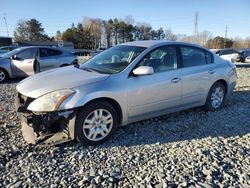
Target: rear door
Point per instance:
(23, 62)
(198, 74)
(49, 58)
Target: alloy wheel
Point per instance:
(98, 124)
(217, 97)
(2, 76)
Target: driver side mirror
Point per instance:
(15, 57)
(143, 70)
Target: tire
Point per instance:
(216, 97)
(3, 75)
(90, 128)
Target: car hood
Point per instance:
(4, 59)
(56, 79)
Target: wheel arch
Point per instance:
(113, 102)
(222, 81)
(6, 71)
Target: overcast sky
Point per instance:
(179, 15)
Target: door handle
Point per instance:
(175, 80)
(211, 71)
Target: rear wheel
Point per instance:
(216, 97)
(96, 122)
(3, 75)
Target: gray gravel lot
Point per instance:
(191, 148)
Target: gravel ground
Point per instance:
(192, 148)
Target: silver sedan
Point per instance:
(124, 84)
(26, 61)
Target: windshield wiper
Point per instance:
(89, 69)
(77, 65)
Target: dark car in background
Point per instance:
(227, 54)
(241, 57)
(26, 61)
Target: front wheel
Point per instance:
(96, 122)
(216, 97)
(3, 75)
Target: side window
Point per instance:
(161, 59)
(27, 54)
(44, 52)
(192, 56)
(209, 57)
(247, 53)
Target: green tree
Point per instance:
(30, 30)
(79, 36)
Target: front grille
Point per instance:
(22, 102)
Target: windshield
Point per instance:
(11, 53)
(113, 60)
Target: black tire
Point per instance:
(3, 75)
(86, 112)
(209, 103)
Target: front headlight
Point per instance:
(50, 101)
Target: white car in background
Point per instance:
(227, 54)
(247, 60)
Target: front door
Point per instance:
(157, 92)
(22, 63)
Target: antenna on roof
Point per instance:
(4, 17)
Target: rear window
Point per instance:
(192, 56)
(45, 52)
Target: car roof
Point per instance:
(7, 46)
(27, 47)
(151, 43)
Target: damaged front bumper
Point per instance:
(45, 128)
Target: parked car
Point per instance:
(247, 59)
(25, 61)
(241, 56)
(227, 54)
(126, 83)
(5, 49)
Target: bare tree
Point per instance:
(94, 26)
(169, 35)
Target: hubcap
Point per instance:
(98, 124)
(2, 76)
(217, 97)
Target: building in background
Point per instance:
(6, 41)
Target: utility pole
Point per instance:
(4, 17)
(225, 39)
(195, 37)
(196, 18)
